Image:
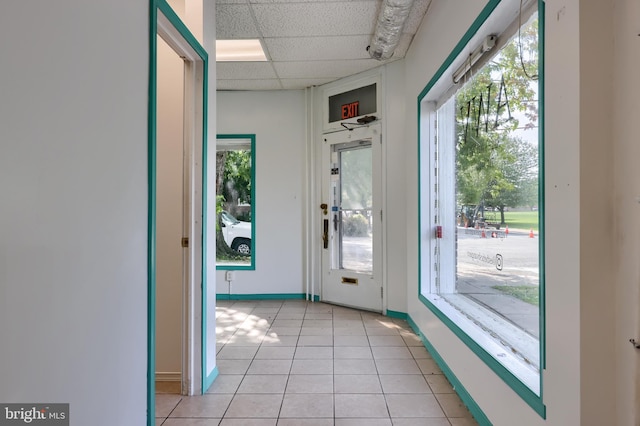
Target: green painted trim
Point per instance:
(274, 296)
(466, 398)
(252, 266)
(175, 20)
(182, 29)
(533, 400)
(208, 381)
(395, 314)
(205, 151)
(163, 7)
(541, 188)
(235, 267)
(473, 29)
(151, 215)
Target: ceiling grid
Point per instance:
(307, 43)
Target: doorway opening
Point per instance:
(177, 207)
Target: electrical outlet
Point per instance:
(230, 276)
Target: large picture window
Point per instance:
(235, 190)
(480, 186)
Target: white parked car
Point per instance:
(236, 234)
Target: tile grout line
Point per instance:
(284, 391)
(405, 337)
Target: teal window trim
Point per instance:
(252, 265)
(151, 213)
(541, 184)
(155, 7)
(533, 400)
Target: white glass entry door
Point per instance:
(351, 218)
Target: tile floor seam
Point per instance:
(172, 410)
(367, 323)
(284, 392)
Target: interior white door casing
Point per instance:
(192, 205)
(347, 277)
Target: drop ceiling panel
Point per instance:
(244, 70)
(301, 83)
(318, 48)
(272, 84)
(316, 19)
(323, 69)
(235, 22)
(298, 1)
(308, 42)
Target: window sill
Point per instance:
(520, 357)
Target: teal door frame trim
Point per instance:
(157, 7)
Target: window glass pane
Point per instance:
(356, 189)
(482, 198)
(497, 261)
(234, 186)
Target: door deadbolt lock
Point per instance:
(324, 206)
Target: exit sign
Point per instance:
(353, 103)
(350, 110)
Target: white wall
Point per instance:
(277, 118)
(596, 144)
(395, 150)
(626, 205)
(73, 216)
(169, 211)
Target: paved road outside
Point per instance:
(506, 260)
(357, 253)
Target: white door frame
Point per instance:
(166, 24)
(192, 207)
(330, 276)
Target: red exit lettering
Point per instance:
(350, 110)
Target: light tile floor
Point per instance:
(296, 363)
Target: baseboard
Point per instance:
(396, 314)
(267, 296)
(208, 381)
(168, 377)
(466, 398)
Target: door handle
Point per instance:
(325, 234)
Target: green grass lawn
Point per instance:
(521, 220)
(526, 293)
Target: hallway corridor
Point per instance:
(296, 363)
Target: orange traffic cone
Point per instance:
(506, 230)
(531, 233)
(483, 235)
